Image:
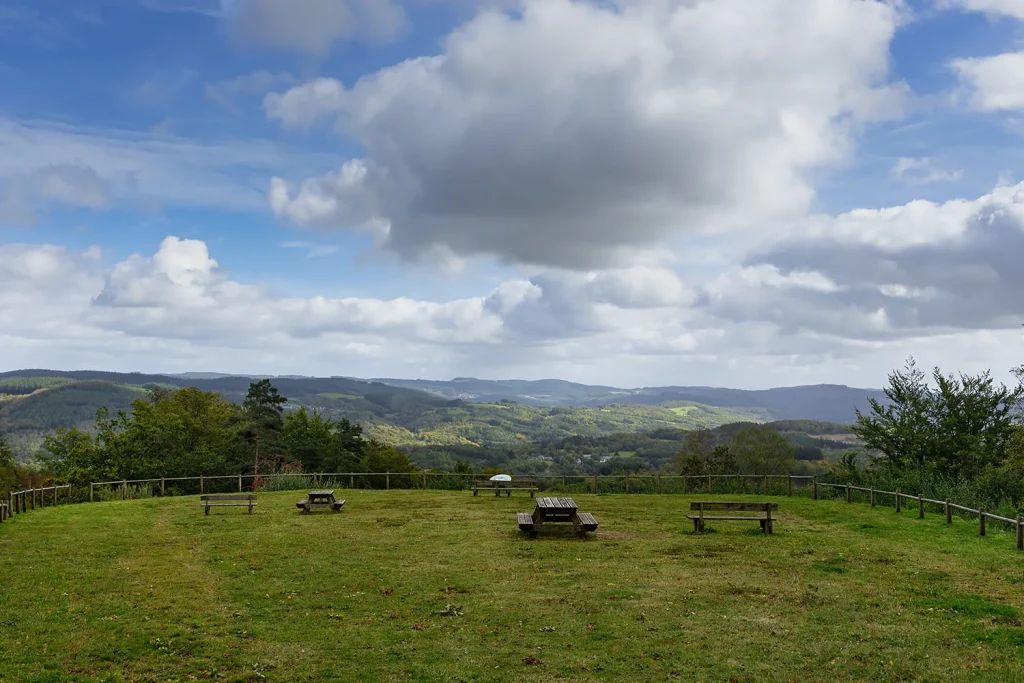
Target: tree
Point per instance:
(76, 459)
(264, 409)
(901, 429)
(960, 428)
(8, 470)
(317, 442)
(379, 457)
(696, 454)
(761, 450)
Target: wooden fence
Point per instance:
(947, 507)
(777, 484)
(20, 502)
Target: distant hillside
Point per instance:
(38, 401)
(822, 402)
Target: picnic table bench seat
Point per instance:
(210, 500)
(336, 505)
(525, 521)
(586, 520)
(766, 521)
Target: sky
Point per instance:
(741, 193)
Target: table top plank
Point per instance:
(556, 503)
(322, 493)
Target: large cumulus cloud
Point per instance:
(574, 134)
(913, 270)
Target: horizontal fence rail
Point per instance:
(899, 498)
(20, 502)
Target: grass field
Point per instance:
(436, 586)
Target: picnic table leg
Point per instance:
(207, 509)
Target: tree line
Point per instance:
(190, 432)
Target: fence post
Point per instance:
(814, 485)
(161, 487)
(124, 489)
(595, 483)
(949, 513)
(790, 494)
(54, 494)
(351, 481)
(239, 483)
(920, 506)
(627, 483)
(709, 484)
(425, 480)
(872, 498)
(387, 480)
(1020, 533)
(33, 501)
(981, 522)
(848, 499)
(899, 501)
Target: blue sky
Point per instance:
(524, 232)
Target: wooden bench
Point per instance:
(224, 500)
(717, 506)
(507, 486)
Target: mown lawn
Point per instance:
(437, 586)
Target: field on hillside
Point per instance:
(437, 586)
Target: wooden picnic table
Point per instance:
(320, 500)
(556, 509)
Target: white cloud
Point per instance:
(312, 250)
(75, 185)
(917, 270)
(1009, 8)
(312, 26)
(575, 133)
(94, 168)
(259, 82)
(922, 171)
(993, 83)
(306, 104)
(798, 314)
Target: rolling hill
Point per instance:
(38, 401)
(822, 402)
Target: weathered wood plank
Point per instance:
(728, 505)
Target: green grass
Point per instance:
(436, 586)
